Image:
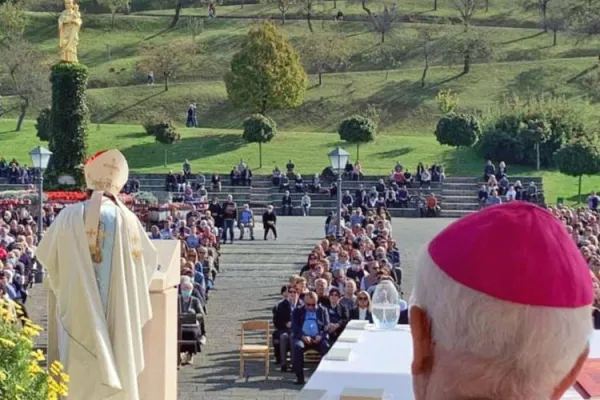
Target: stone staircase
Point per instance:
(457, 195)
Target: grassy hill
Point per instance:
(524, 63)
(219, 150)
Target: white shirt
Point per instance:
(305, 200)
(362, 314)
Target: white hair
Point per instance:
(513, 351)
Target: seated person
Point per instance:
(170, 182)
(234, 176)
(187, 168)
(284, 183)
(299, 184)
(246, 222)
(380, 186)
(503, 185)
(348, 169)
(309, 330)
(483, 195)
(425, 177)
(338, 315)
(532, 192)
(276, 177)
(357, 171)
(402, 197)
(362, 311)
(290, 167)
(494, 199)
(215, 182)
(511, 193)
(190, 317)
(332, 190)
(283, 323)
(286, 204)
(246, 177)
(199, 181)
(181, 182)
(315, 185)
(347, 200)
(432, 206)
(488, 170)
(202, 192)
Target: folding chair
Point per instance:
(255, 351)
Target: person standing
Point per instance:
(305, 203)
(229, 218)
(269, 220)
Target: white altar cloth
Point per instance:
(381, 360)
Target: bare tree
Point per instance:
(384, 22)
(542, 7)
(308, 8)
(466, 9)
(12, 19)
(28, 75)
(428, 35)
(466, 49)
(435, 5)
(166, 58)
(558, 19)
(323, 52)
(284, 6)
(114, 6)
(178, 7)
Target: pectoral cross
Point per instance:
(113, 166)
(90, 232)
(136, 254)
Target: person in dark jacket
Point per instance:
(229, 218)
(338, 315)
(286, 204)
(282, 320)
(309, 330)
(269, 220)
(171, 182)
(363, 307)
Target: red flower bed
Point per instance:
(65, 196)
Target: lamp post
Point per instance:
(338, 159)
(40, 157)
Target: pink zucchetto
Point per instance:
(516, 252)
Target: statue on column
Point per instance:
(69, 24)
(100, 262)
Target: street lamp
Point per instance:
(40, 157)
(338, 159)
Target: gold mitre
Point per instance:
(106, 171)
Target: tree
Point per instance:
(28, 75)
(458, 130)
(466, 48)
(308, 7)
(284, 6)
(466, 9)
(578, 158)
(542, 7)
(427, 36)
(259, 129)
(12, 20)
(387, 56)
(175, 20)
(323, 52)
(114, 6)
(166, 133)
(537, 131)
(165, 58)
(435, 5)
(558, 19)
(384, 22)
(266, 73)
(357, 130)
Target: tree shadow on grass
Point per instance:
(394, 152)
(133, 135)
(114, 114)
(150, 155)
(540, 33)
(534, 81)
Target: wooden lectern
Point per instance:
(158, 380)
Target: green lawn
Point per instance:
(219, 149)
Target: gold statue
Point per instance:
(69, 24)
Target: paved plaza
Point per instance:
(252, 273)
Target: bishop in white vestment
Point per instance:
(99, 262)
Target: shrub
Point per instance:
(43, 125)
(259, 129)
(21, 376)
(163, 131)
(357, 130)
(155, 120)
(458, 130)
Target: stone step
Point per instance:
(456, 213)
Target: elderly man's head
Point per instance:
(321, 287)
(523, 335)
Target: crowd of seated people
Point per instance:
(17, 174)
(241, 175)
(583, 223)
(498, 188)
(335, 286)
(200, 243)
(18, 243)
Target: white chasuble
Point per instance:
(102, 350)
